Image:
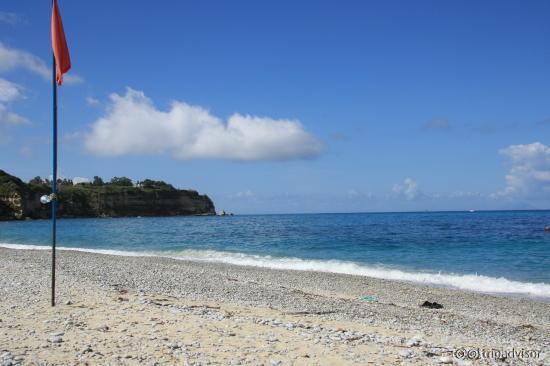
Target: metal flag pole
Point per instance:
(54, 177)
(61, 63)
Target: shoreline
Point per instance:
(326, 299)
(59, 218)
(528, 290)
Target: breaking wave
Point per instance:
(471, 282)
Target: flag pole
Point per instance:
(54, 177)
(61, 63)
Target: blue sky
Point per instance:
(290, 107)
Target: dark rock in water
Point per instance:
(547, 229)
(431, 305)
(20, 200)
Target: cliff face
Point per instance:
(12, 191)
(19, 201)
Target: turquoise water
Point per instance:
(501, 252)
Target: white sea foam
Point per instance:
(97, 251)
(471, 282)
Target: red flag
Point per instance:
(59, 45)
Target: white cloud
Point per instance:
(77, 180)
(10, 92)
(409, 189)
(92, 101)
(9, 18)
(11, 58)
(11, 118)
(529, 174)
(133, 125)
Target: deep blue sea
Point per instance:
(496, 252)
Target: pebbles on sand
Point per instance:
(177, 312)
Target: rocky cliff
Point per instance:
(19, 200)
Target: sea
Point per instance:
(498, 252)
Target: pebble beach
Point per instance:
(117, 310)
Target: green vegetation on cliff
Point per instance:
(117, 198)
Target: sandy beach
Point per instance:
(160, 311)
(274, 183)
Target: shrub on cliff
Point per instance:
(121, 181)
(156, 184)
